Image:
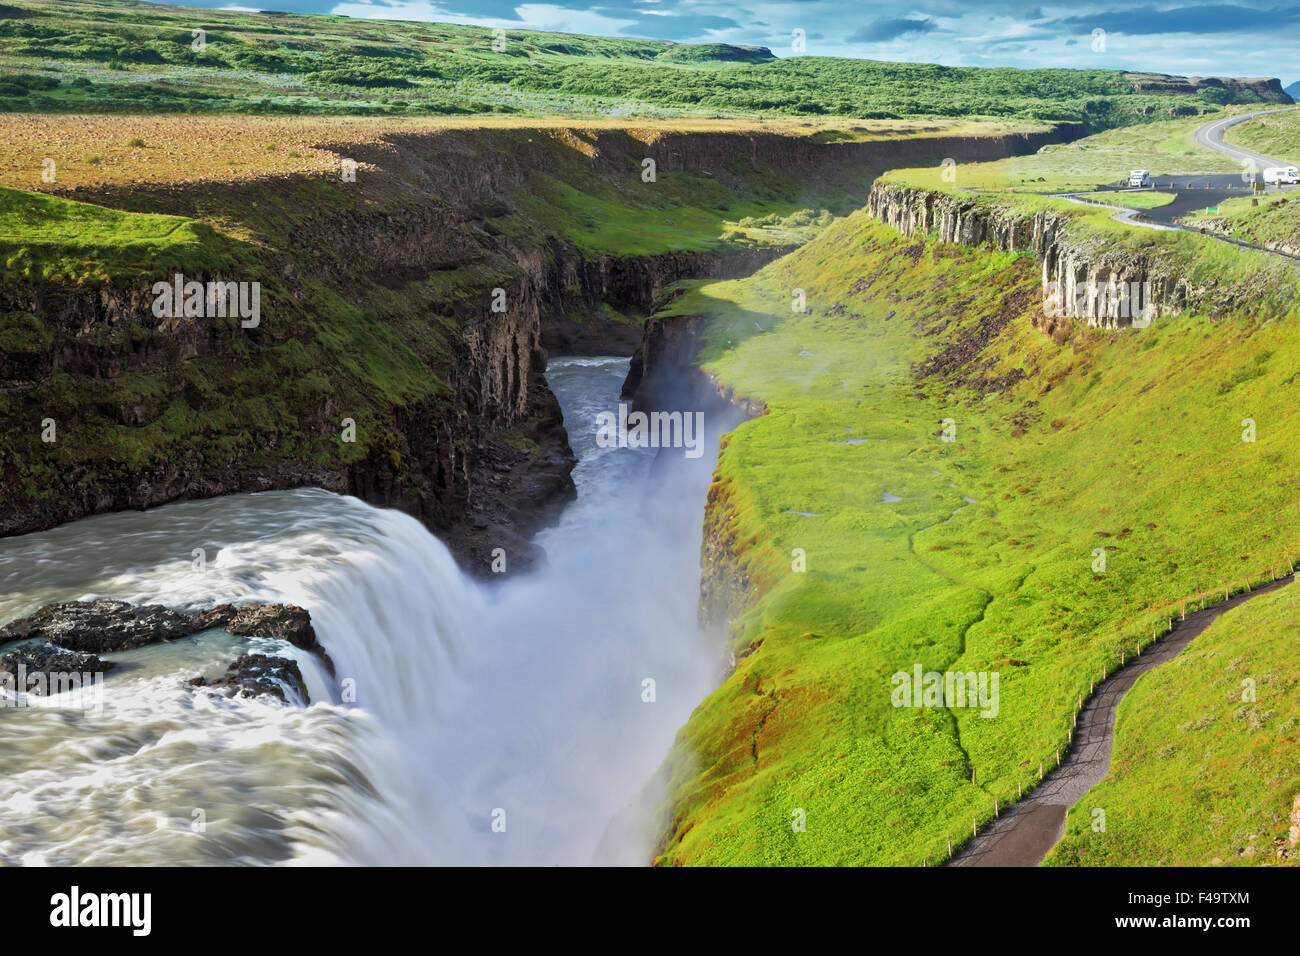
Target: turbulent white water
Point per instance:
(520, 704)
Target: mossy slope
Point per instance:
(1129, 442)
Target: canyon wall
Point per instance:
(1087, 278)
(377, 311)
(663, 376)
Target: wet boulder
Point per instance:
(21, 663)
(258, 675)
(287, 622)
(101, 626)
(105, 626)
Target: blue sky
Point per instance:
(1237, 38)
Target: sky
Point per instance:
(1237, 38)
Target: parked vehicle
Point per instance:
(1281, 175)
(1139, 178)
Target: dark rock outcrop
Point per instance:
(664, 377)
(105, 626)
(631, 286)
(257, 675)
(285, 621)
(49, 659)
(1082, 277)
(1241, 89)
(100, 626)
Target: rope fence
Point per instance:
(1156, 624)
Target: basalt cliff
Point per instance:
(401, 351)
(1085, 276)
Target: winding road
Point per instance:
(1211, 137)
(1028, 829)
(1193, 193)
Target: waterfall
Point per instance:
(464, 723)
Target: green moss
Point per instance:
(22, 332)
(1109, 442)
(50, 238)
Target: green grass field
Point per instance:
(50, 238)
(1275, 219)
(1129, 442)
(1204, 770)
(1132, 200)
(97, 56)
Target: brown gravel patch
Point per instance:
(90, 150)
(93, 150)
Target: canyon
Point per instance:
(376, 316)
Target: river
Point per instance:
(465, 724)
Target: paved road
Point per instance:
(1193, 193)
(1211, 137)
(1026, 831)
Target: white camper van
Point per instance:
(1139, 178)
(1280, 175)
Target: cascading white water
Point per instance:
(453, 705)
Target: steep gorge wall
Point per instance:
(405, 258)
(694, 152)
(663, 376)
(1082, 278)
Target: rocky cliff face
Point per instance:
(702, 152)
(377, 312)
(632, 285)
(663, 377)
(437, 460)
(1083, 278)
(1241, 89)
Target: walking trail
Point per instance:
(1028, 829)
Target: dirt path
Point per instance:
(1026, 831)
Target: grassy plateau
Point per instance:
(98, 56)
